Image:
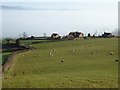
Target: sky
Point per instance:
(59, 0)
(36, 17)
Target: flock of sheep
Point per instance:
(73, 51)
(51, 54)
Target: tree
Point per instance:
(8, 40)
(32, 37)
(24, 34)
(44, 34)
(89, 35)
(93, 35)
(18, 42)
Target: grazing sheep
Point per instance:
(111, 53)
(62, 60)
(14, 74)
(97, 50)
(35, 55)
(54, 50)
(50, 54)
(5, 78)
(23, 55)
(116, 60)
(73, 50)
(23, 73)
(92, 52)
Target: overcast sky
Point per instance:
(59, 0)
(37, 18)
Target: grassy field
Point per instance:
(0, 58)
(5, 55)
(66, 64)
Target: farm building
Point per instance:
(55, 36)
(107, 35)
(77, 34)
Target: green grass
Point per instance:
(80, 69)
(29, 42)
(4, 57)
(0, 58)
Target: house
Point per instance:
(55, 36)
(107, 35)
(77, 34)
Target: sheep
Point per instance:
(73, 50)
(14, 74)
(50, 54)
(111, 53)
(116, 60)
(62, 60)
(35, 55)
(23, 73)
(54, 50)
(5, 78)
(92, 52)
(23, 55)
(97, 50)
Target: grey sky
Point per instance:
(59, 0)
(37, 18)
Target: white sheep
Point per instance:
(92, 52)
(50, 54)
(54, 50)
(111, 53)
(35, 55)
(73, 50)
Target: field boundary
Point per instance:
(6, 66)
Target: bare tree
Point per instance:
(44, 34)
(18, 42)
(8, 40)
(24, 34)
(89, 35)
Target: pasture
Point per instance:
(66, 64)
(0, 58)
